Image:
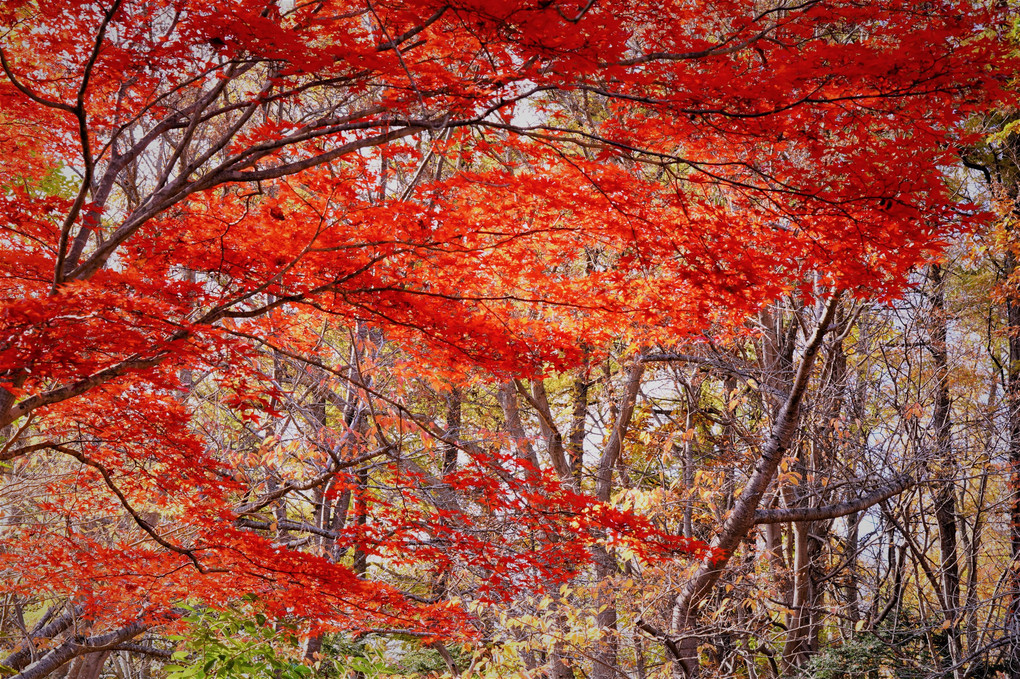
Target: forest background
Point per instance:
(509, 338)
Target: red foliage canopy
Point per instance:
(493, 184)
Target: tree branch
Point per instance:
(79, 645)
(797, 514)
(20, 659)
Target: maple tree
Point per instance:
(212, 207)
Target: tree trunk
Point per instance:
(945, 471)
(685, 638)
(607, 646)
(1013, 415)
(88, 666)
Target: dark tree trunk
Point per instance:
(945, 466)
(1013, 415)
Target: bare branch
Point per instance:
(795, 514)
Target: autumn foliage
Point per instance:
(209, 207)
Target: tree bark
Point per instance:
(78, 646)
(741, 520)
(1013, 418)
(607, 646)
(945, 471)
(87, 666)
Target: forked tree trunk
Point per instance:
(684, 638)
(814, 461)
(88, 666)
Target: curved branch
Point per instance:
(797, 514)
(21, 658)
(78, 645)
(142, 523)
(24, 89)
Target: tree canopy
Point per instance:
(258, 256)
